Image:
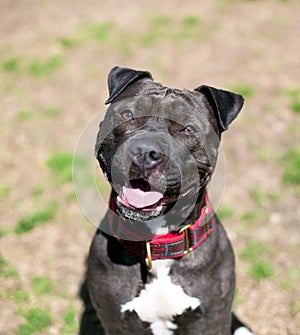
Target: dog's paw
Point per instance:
(243, 331)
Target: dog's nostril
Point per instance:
(145, 154)
(155, 155)
(147, 160)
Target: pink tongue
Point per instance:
(140, 199)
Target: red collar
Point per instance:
(175, 244)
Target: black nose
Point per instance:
(145, 154)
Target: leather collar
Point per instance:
(174, 244)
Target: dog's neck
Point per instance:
(124, 229)
(174, 244)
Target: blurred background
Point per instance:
(54, 59)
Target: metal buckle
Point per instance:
(185, 230)
(148, 259)
(207, 222)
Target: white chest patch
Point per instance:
(243, 331)
(161, 300)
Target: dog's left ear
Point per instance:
(226, 105)
(120, 77)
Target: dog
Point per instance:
(160, 262)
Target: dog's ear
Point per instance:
(226, 105)
(120, 77)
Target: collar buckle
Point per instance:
(148, 259)
(185, 231)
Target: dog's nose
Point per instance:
(145, 154)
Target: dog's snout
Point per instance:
(145, 154)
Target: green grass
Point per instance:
(3, 233)
(294, 273)
(4, 191)
(295, 106)
(60, 163)
(262, 270)
(225, 212)
(252, 216)
(70, 322)
(291, 174)
(41, 285)
(165, 28)
(238, 300)
(69, 42)
(246, 90)
(19, 296)
(100, 32)
(36, 219)
(295, 307)
(51, 111)
(253, 251)
(7, 270)
(40, 68)
(190, 21)
(11, 65)
(26, 114)
(36, 321)
(294, 95)
(288, 286)
(37, 191)
(160, 21)
(256, 195)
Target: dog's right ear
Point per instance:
(120, 77)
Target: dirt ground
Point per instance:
(54, 60)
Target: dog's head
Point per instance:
(158, 146)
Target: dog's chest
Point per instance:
(161, 300)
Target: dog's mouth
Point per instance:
(138, 200)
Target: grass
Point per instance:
(251, 216)
(294, 95)
(11, 64)
(7, 270)
(70, 322)
(225, 212)
(246, 90)
(262, 270)
(295, 307)
(51, 111)
(256, 195)
(295, 106)
(19, 296)
(100, 32)
(26, 114)
(60, 163)
(165, 28)
(40, 68)
(253, 251)
(37, 191)
(68, 42)
(41, 285)
(4, 191)
(3, 233)
(291, 174)
(36, 321)
(36, 219)
(190, 21)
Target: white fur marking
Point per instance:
(161, 300)
(243, 331)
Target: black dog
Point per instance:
(161, 262)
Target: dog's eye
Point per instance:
(188, 130)
(127, 115)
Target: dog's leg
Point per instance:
(89, 323)
(238, 328)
